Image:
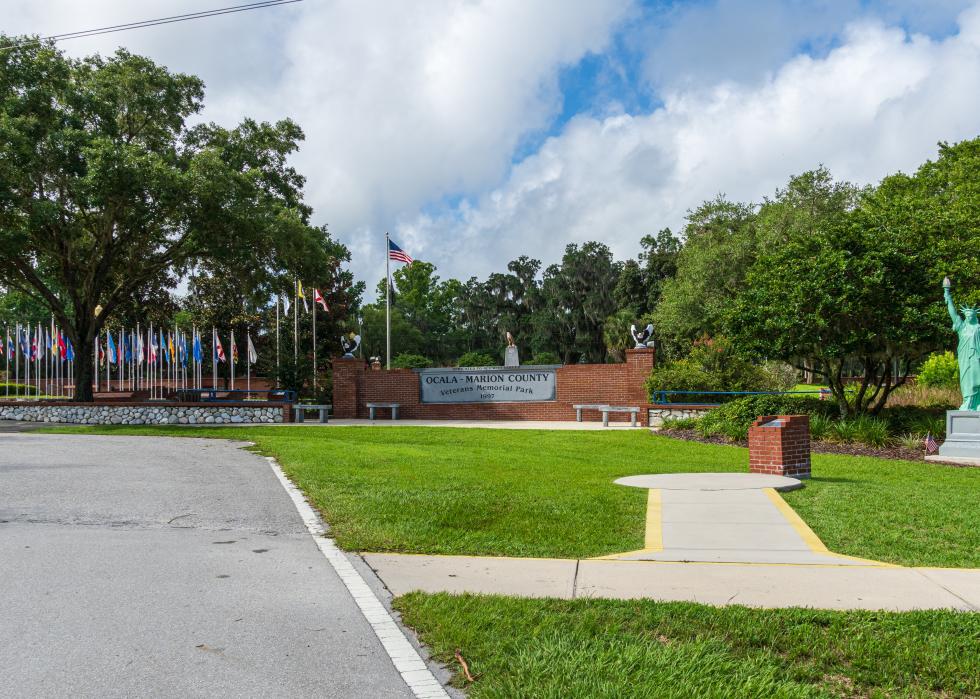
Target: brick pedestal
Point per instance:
(780, 445)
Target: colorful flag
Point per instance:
(397, 254)
(62, 348)
(34, 348)
(317, 298)
(25, 343)
(234, 348)
(111, 345)
(11, 346)
(70, 351)
(170, 345)
(183, 350)
(931, 446)
(285, 305)
(253, 356)
(219, 351)
(198, 352)
(300, 294)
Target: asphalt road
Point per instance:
(139, 566)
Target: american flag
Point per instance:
(931, 446)
(397, 254)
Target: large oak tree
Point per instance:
(106, 187)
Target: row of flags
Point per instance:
(301, 296)
(33, 344)
(140, 357)
(169, 347)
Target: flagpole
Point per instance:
(214, 358)
(314, 341)
(278, 303)
(6, 352)
(16, 360)
(387, 301)
(295, 323)
(231, 350)
(248, 364)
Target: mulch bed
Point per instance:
(852, 449)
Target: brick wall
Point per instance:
(780, 445)
(355, 385)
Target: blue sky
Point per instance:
(476, 131)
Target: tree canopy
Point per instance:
(107, 190)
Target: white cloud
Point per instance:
(407, 104)
(403, 103)
(876, 104)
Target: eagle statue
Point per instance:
(642, 337)
(350, 343)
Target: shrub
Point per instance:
(410, 361)
(910, 440)
(940, 370)
(820, 426)
(782, 376)
(843, 431)
(680, 423)
(736, 417)
(915, 419)
(546, 358)
(477, 359)
(872, 431)
(18, 389)
(712, 365)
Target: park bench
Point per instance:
(587, 406)
(606, 409)
(392, 406)
(301, 408)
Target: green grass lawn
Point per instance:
(602, 648)
(550, 493)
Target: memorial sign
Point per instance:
(487, 384)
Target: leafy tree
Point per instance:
(852, 294)
(720, 246)
(576, 298)
(104, 187)
(659, 260)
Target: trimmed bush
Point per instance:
(546, 358)
(17, 389)
(712, 365)
(940, 370)
(410, 361)
(477, 359)
(735, 417)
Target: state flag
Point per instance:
(317, 298)
(253, 356)
(219, 351)
(300, 294)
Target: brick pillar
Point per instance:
(639, 364)
(347, 375)
(780, 445)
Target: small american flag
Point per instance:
(397, 254)
(931, 446)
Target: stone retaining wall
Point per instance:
(143, 413)
(657, 415)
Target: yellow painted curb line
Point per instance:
(654, 539)
(653, 536)
(812, 541)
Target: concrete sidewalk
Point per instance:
(754, 585)
(713, 538)
(726, 518)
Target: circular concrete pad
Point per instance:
(711, 481)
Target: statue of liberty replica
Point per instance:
(967, 349)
